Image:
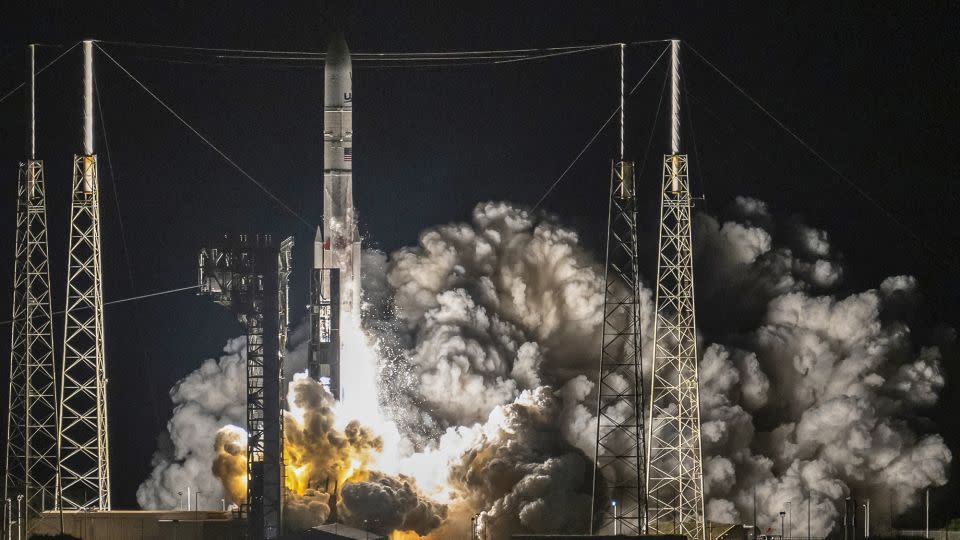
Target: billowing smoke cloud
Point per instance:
(491, 308)
(521, 472)
(813, 400)
(487, 335)
(383, 504)
(205, 401)
(805, 394)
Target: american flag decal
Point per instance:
(348, 154)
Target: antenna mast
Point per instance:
(675, 470)
(623, 109)
(619, 498)
(83, 443)
(31, 453)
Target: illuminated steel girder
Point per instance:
(619, 497)
(675, 469)
(250, 276)
(83, 445)
(31, 456)
(284, 271)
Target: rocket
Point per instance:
(335, 280)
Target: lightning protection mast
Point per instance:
(31, 454)
(84, 473)
(619, 500)
(674, 470)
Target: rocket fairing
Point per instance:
(335, 283)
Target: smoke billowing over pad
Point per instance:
(485, 343)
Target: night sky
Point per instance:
(873, 88)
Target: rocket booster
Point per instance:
(335, 290)
(341, 247)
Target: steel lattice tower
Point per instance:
(284, 271)
(83, 442)
(619, 497)
(675, 469)
(251, 277)
(31, 456)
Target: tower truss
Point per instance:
(32, 413)
(31, 453)
(619, 498)
(251, 277)
(674, 467)
(83, 445)
(83, 442)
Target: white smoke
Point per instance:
(210, 398)
(806, 396)
(814, 402)
(487, 335)
(489, 309)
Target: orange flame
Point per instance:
(298, 478)
(351, 471)
(405, 535)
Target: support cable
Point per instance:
(362, 54)
(864, 193)
(123, 234)
(598, 132)
(360, 57)
(737, 135)
(147, 295)
(207, 141)
(39, 71)
(653, 126)
(113, 181)
(127, 299)
(551, 55)
(312, 65)
(693, 139)
(401, 60)
(449, 61)
(318, 65)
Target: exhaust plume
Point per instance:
(480, 344)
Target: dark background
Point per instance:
(873, 87)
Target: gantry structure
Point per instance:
(250, 276)
(619, 493)
(674, 468)
(31, 452)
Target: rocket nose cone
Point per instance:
(337, 52)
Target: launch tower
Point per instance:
(619, 501)
(250, 276)
(31, 453)
(674, 468)
(83, 449)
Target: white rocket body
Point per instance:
(338, 243)
(341, 240)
